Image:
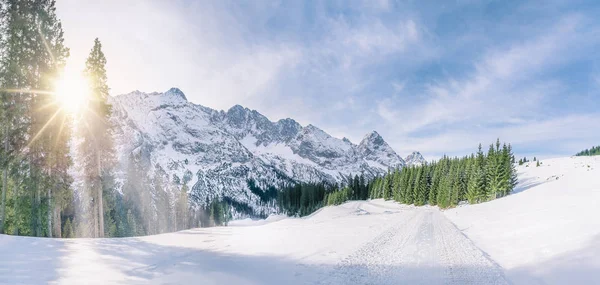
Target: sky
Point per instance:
(438, 77)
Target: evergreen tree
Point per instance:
(422, 187)
(435, 182)
(96, 147)
(589, 152)
(32, 55)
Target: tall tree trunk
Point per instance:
(100, 198)
(50, 212)
(38, 203)
(17, 207)
(100, 213)
(57, 223)
(4, 180)
(95, 217)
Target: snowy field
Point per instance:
(357, 243)
(546, 233)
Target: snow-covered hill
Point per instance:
(360, 242)
(548, 232)
(221, 150)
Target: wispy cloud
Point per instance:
(428, 78)
(505, 95)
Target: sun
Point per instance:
(72, 91)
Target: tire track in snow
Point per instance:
(422, 248)
(463, 261)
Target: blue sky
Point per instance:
(435, 77)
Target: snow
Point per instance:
(278, 149)
(548, 232)
(223, 150)
(359, 242)
(250, 222)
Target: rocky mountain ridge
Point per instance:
(217, 152)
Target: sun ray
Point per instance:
(39, 133)
(48, 49)
(60, 130)
(28, 91)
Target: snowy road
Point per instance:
(422, 248)
(356, 243)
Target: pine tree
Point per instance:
(182, 208)
(409, 197)
(421, 196)
(68, 229)
(396, 185)
(512, 173)
(16, 39)
(96, 148)
(435, 182)
(363, 188)
(387, 187)
(32, 55)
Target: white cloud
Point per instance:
(552, 132)
(500, 79)
(374, 37)
(155, 45)
(209, 51)
(503, 97)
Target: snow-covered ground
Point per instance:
(372, 242)
(548, 232)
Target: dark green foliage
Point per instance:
(265, 195)
(339, 197)
(589, 152)
(475, 178)
(303, 199)
(33, 152)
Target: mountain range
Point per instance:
(217, 152)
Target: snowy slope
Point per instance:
(548, 232)
(358, 242)
(222, 150)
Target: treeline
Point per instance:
(356, 188)
(301, 199)
(589, 152)
(476, 178)
(304, 198)
(34, 152)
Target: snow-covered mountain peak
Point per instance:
(175, 93)
(415, 159)
(374, 148)
(373, 138)
(222, 150)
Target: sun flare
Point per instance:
(72, 91)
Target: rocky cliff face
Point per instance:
(220, 150)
